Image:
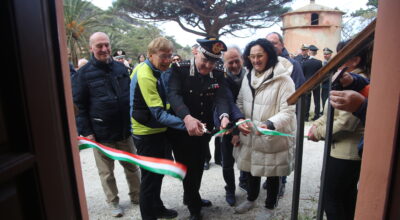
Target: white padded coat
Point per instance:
(268, 155)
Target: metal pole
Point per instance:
(301, 108)
(325, 164)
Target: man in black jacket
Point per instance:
(310, 67)
(101, 93)
(196, 88)
(233, 63)
(297, 73)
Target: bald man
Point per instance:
(235, 72)
(101, 93)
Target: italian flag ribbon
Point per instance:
(263, 131)
(152, 164)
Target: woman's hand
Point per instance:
(311, 133)
(245, 128)
(261, 126)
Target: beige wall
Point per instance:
(297, 30)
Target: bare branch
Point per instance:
(189, 30)
(211, 17)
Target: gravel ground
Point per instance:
(212, 188)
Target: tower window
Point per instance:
(314, 19)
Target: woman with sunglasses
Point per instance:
(176, 58)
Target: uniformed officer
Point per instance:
(120, 56)
(301, 58)
(310, 67)
(196, 87)
(325, 84)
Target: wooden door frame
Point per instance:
(381, 132)
(70, 107)
(43, 70)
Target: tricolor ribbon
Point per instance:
(263, 131)
(152, 164)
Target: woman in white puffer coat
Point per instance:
(262, 98)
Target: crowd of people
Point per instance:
(167, 107)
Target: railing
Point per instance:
(361, 41)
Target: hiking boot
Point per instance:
(135, 199)
(116, 210)
(244, 207)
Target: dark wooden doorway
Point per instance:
(38, 173)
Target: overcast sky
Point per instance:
(185, 38)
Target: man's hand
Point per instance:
(91, 137)
(347, 100)
(235, 140)
(193, 126)
(224, 123)
(245, 128)
(311, 133)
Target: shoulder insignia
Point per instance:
(219, 67)
(184, 63)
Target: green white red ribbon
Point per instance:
(263, 131)
(152, 164)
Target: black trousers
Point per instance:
(227, 163)
(324, 95)
(190, 151)
(243, 178)
(153, 145)
(316, 94)
(217, 150)
(341, 188)
(272, 190)
(208, 152)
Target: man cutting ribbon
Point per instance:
(195, 88)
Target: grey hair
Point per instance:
(279, 36)
(235, 47)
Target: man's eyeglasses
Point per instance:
(165, 56)
(176, 59)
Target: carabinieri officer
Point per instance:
(196, 88)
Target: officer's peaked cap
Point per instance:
(305, 47)
(313, 48)
(327, 50)
(119, 54)
(211, 47)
